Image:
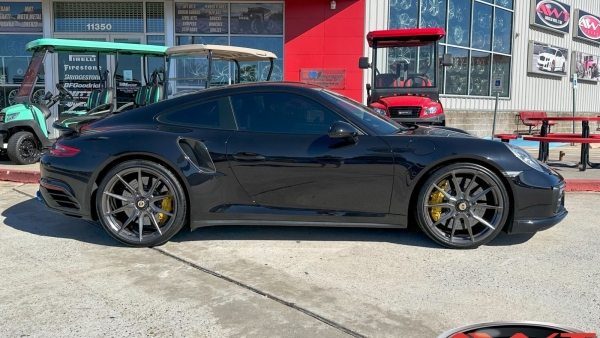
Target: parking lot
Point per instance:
(66, 277)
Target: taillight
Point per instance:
(62, 150)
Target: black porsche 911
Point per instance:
(296, 155)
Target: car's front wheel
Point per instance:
(462, 206)
(141, 203)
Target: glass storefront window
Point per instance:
(482, 26)
(501, 65)
(155, 17)
(478, 30)
(457, 74)
(502, 31)
(253, 25)
(14, 61)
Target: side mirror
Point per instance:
(447, 60)
(363, 63)
(341, 129)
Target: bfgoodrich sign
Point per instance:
(586, 26)
(550, 14)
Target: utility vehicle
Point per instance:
(405, 74)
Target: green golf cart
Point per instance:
(23, 131)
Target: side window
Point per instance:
(559, 54)
(214, 114)
(281, 113)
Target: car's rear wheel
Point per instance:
(141, 203)
(462, 206)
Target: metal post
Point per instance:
(495, 114)
(574, 97)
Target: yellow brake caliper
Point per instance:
(166, 205)
(436, 198)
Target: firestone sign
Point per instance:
(550, 14)
(588, 26)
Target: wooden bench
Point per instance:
(523, 117)
(506, 137)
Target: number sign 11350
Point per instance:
(99, 26)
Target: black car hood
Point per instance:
(440, 131)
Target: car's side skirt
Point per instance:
(207, 223)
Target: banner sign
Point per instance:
(21, 17)
(328, 78)
(550, 14)
(545, 59)
(257, 18)
(585, 66)
(588, 26)
(201, 18)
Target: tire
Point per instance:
(464, 210)
(563, 67)
(24, 148)
(119, 202)
(552, 68)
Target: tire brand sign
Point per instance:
(516, 330)
(550, 14)
(588, 26)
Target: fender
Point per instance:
(33, 126)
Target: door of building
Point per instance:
(79, 73)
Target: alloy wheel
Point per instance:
(463, 207)
(139, 205)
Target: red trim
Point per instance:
(561, 139)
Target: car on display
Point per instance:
(551, 60)
(404, 74)
(294, 154)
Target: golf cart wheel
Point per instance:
(462, 206)
(24, 148)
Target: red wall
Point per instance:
(317, 36)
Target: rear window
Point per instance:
(214, 114)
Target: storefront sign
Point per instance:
(328, 78)
(204, 18)
(257, 18)
(588, 26)
(545, 59)
(21, 17)
(585, 66)
(551, 15)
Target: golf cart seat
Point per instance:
(386, 80)
(155, 94)
(96, 98)
(44, 109)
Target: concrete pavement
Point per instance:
(67, 277)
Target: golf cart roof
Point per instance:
(227, 53)
(412, 37)
(93, 47)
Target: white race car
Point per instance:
(552, 60)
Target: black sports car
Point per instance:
(292, 154)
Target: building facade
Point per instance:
(320, 41)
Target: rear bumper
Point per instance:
(437, 119)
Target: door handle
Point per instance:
(248, 157)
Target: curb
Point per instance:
(30, 176)
(582, 185)
(20, 176)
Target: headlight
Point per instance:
(431, 110)
(11, 117)
(525, 157)
(380, 111)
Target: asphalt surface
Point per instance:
(64, 277)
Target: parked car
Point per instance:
(552, 60)
(292, 154)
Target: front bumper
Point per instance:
(548, 208)
(437, 119)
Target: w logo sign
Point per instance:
(590, 26)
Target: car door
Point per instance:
(282, 156)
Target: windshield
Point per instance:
(30, 77)
(377, 122)
(405, 67)
(550, 51)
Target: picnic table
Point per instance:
(584, 138)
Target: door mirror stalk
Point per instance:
(343, 130)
